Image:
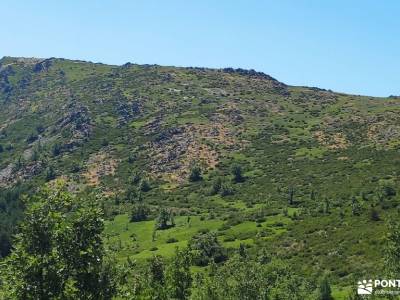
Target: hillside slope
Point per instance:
(320, 169)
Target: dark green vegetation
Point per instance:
(225, 162)
(58, 253)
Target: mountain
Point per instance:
(309, 174)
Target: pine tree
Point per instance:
(195, 174)
(325, 292)
(291, 195)
(237, 173)
(144, 185)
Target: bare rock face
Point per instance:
(173, 150)
(42, 66)
(99, 165)
(6, 175)
(128, 111)
(10, 175)
(77, 119)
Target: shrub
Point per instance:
(50, 173)
(165, 219)
(171, 240)
(139, 213)
(40, 129)
(31, 138)
(195, 174)
(216, 186)
(389, 192)
(144, 185)
(56, 150)
(226, 190)
(131, 158)
(374, 215)
(237, 173)
(206, 248)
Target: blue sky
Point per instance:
(348, 46)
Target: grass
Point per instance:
(136, 238)
(341, 293)
(310, 153)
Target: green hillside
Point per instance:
(309, 175)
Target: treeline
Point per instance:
(11, 211)
(59, 254)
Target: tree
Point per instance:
(179, 278)
(144, 185)
(31, 138)
(156, 269)
(165, 219)
(1, 148)
(156, 278)
(40, 129)
(237, 173)
(226, 190)
(132, 195)
(104, 142)
(242, 251)
(324, 291)
(56, 149)
(18, 164)
(236, 279)
(264, 257)
(10, 213)
(131, 158)
(59, 251)
(374, 215)
(139, 212)
(355, 206)
(195, 174)
(389, 192)
(206, 249)
(135, 178)
(50, 173)
(216, 186)
(35, 154)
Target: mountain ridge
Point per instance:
(313, 162)
(127, 64)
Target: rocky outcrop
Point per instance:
(77, 119)
(43, 65)
(11, 175)
(128, 111)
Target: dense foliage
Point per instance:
(58, 253)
